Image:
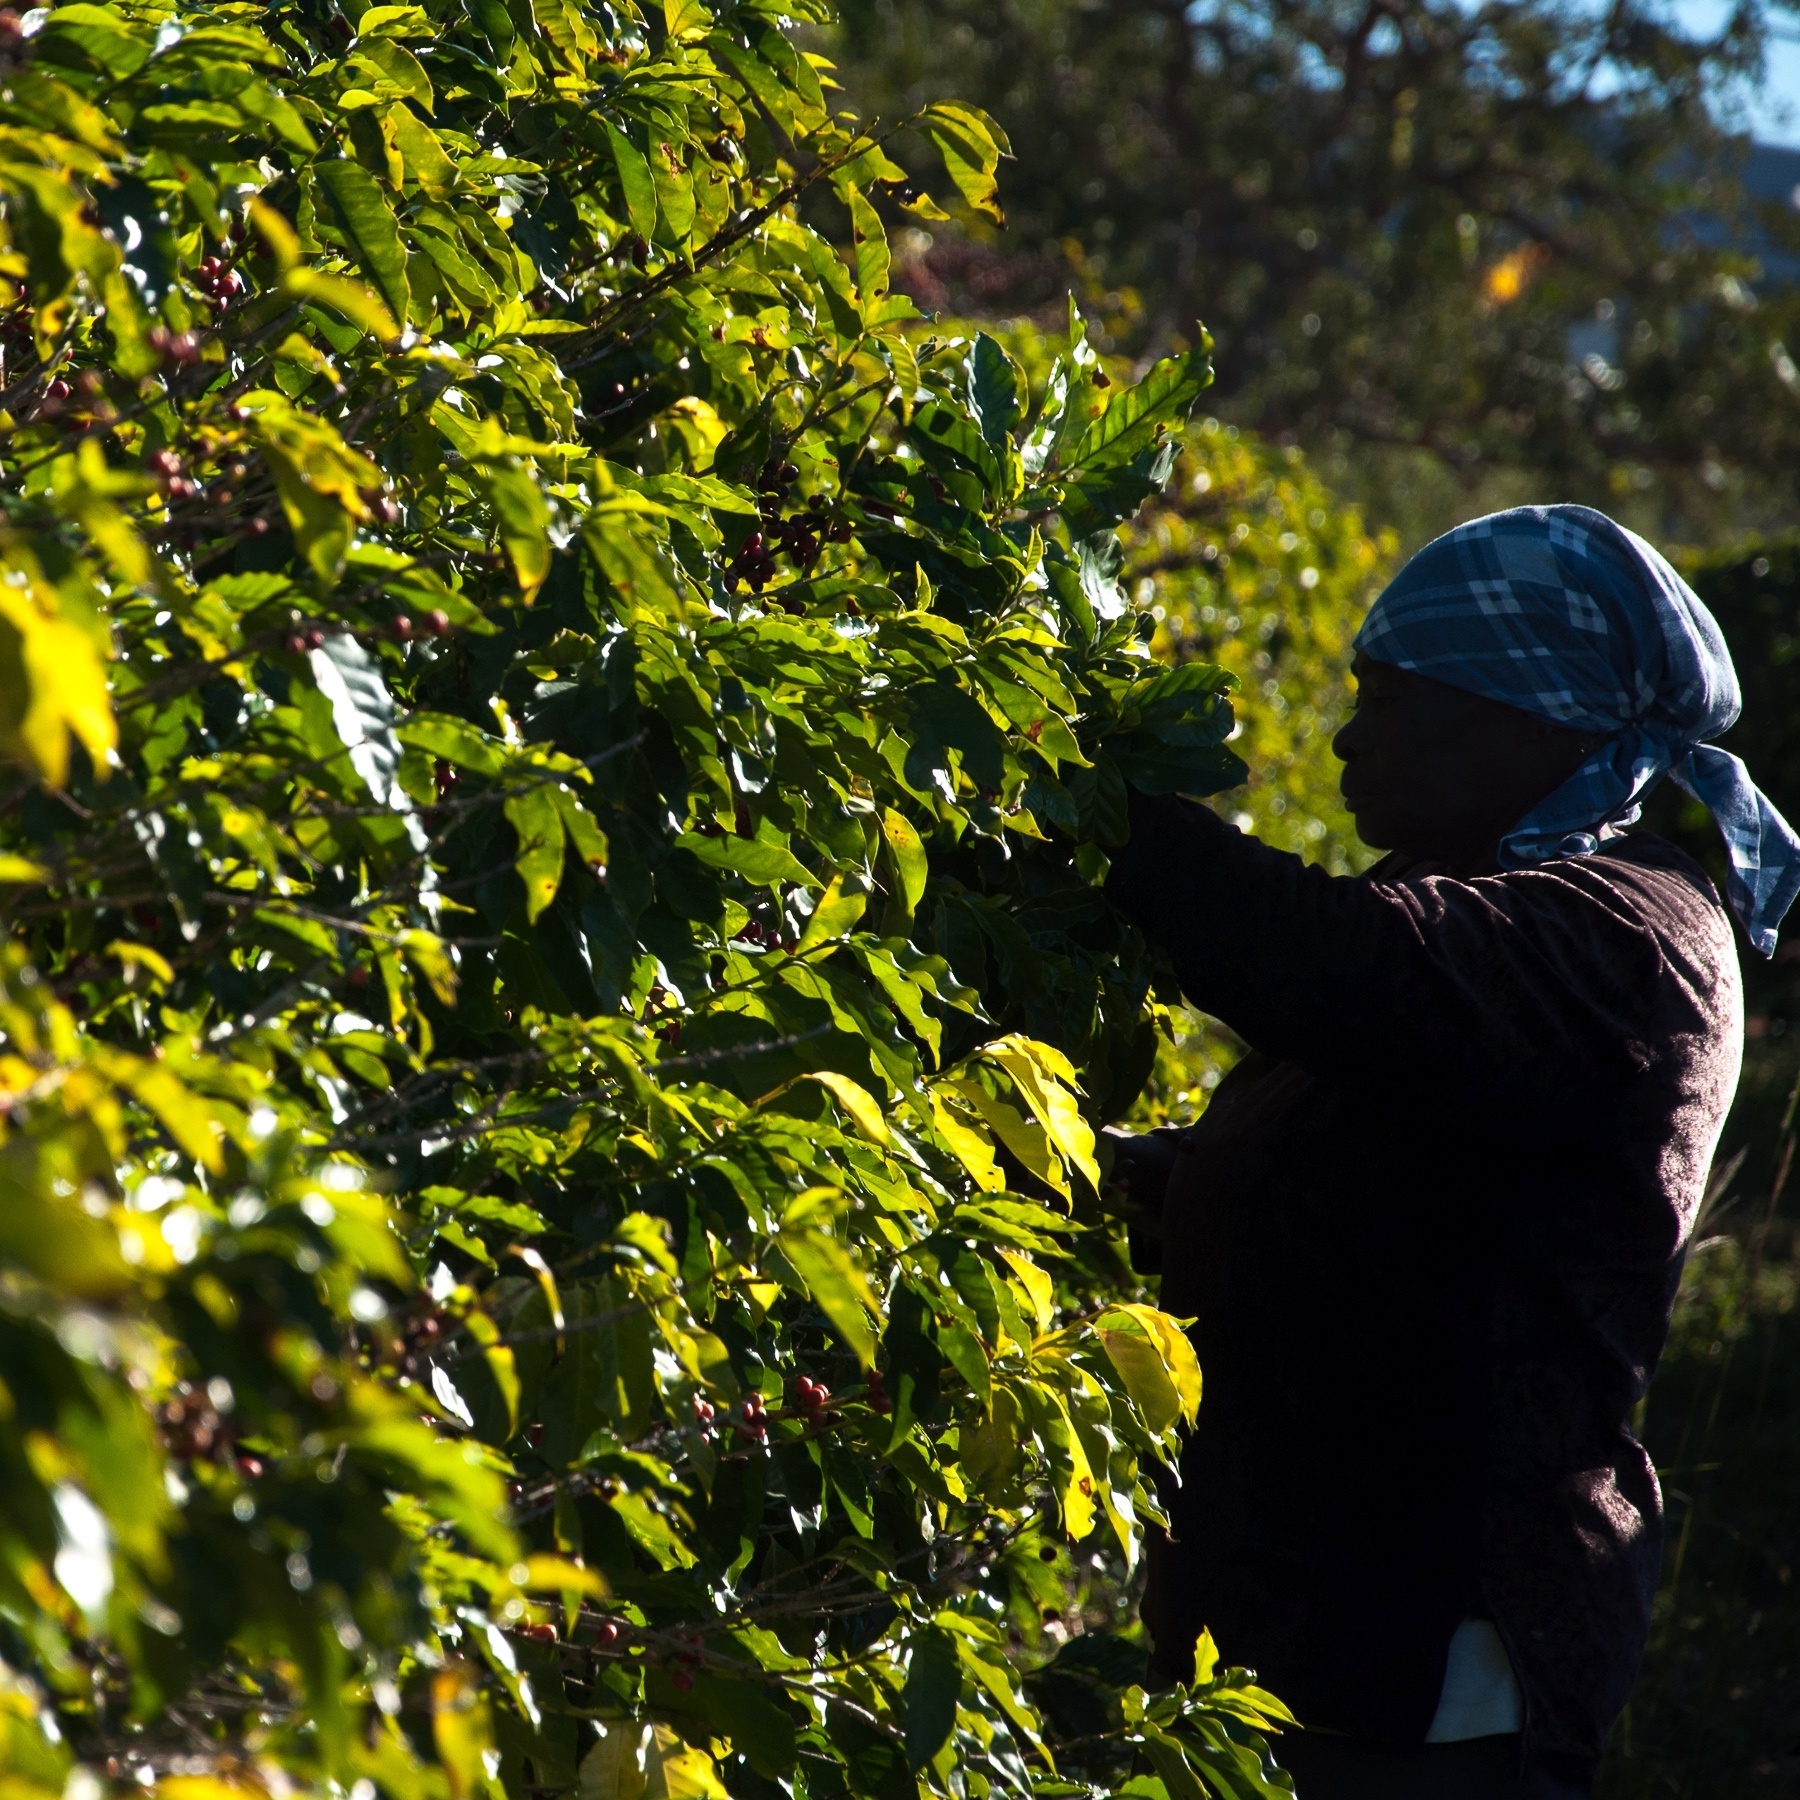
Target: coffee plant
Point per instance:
(559, 744)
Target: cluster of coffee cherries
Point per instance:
(193, 1430)
(799, 536)
(754, 562)
(166, 467)
(78, 404)
(401, 628)
(750, 1418)
(756, 931)
(686, 1660)
(811, 1396)
(16, 324)
(418, 1334)
(178, 486)
(219, 282)
(15, 44)
(177, 348)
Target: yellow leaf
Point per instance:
(181, 1112)
(276, 233)
(321, 481)
(557, 1575)
(207, 1787)
(614, 1768)
(305, 354)
(971, 1149)
(1073, 1475)
(462, 1726)
(683, 16)
(1045, 1080)
(997, 1678)
(52, 680)
(546, 1281)
(908, 851)
(674, 1770)
(501, 1362)
(422, 151)
(1180, 1363)
(857, 1101)
(838, 910)
(1039, 1288)
(19, 869)
(836, 1285)
(141, 956)
(1024, 1137)
(1139, 1362)
(429, 954)
(357, 303)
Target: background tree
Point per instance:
(1460, 239)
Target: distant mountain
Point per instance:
(1772, 172)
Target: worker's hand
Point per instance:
(1137, 1175)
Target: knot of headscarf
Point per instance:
(1562, 612)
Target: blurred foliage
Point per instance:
(1754, 592)
(559, 749)
(1434, 242)
(1253, 563)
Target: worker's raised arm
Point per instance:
(1491, 985)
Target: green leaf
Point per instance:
(872, 255)
(933, 1685)
(368, 220)
(398, 67)
(765, 864)
(635, 181)
(996, 391)
(362, 712)
(604, 1381)
(675, 203)
(1131, 424)
(970, 167)
(537, 820)
(522, 522)
(455, 740)
(836, 1286)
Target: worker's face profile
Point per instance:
(1439, 773)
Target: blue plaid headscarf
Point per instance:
(1561, 612)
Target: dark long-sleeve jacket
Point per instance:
(1430, 1233)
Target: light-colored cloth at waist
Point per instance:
(1481, 1695)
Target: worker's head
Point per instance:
(1525, 680)
(1440, 773)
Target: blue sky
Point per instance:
(1782, 92)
